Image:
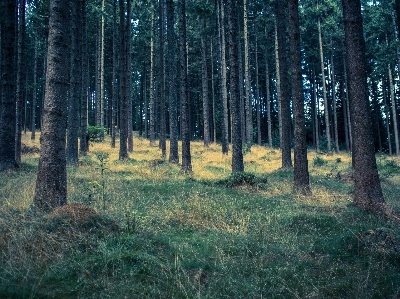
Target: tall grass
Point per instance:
(161, 234)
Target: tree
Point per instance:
(204, 78)
(114, 78)
(248, 106)
(163, 120)
(367, 188)
(51, 182)
(8, 117)
(284, 84)
(186, 156)
(301, 176)
(83, 145)
(237, 150)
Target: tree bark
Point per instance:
(267, 95)
(151, 87)
(8, 118)
(51, 182)
(335, 121)
(163, 120)
(204, 79)
(128, 30)
(394, 111)
(247, 78)
(284, 85)
(367, 189)
(114, 78)
(258, 101)
(83, 144)
(237, 147)
(301, 176)
(186, 155)
(34, 91)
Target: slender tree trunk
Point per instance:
(258, 101)
(114, 100)
(367, 188)
(163, 120)
(214, 125)
(224, 93)
(173, 113)
(301, 176)
(241, 90)
(20, 95)
(102, 89)
(326, 104)
(348, 106)
(51, 182)
(83, 144)
(186, 156)
(204, 78)
(345, 116)
(151, 87)
(267, 95)
(247, 75)
(284, 85)
(146, 104)
(8, 118)
(398, 14)
(129, 76)
(335, 121)
(394, 111)
(34, 91)
(75, 86)
(98, 75)
(278, 85)
(387, 114)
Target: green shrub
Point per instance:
(318, 161)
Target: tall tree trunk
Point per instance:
(301, 176)
(237, 147)
(173, 113)
(367, 188)
(349, 121)
(247, 78)
(83, 144)
(186, 156)
(214, 125)
(345, 116)
(98, 75)
(151, 87)
(102, 89)
(34, 91)
(398, 14)
(20, 80)
(241, 90)
(326, 104)
(335, 121)
(394, 111)
(284, 85)
(387, 116)
(123, 150)
(224, 93)
(315, 105)
(75, 86)
(114, 100)
(267, 94)
(51, 182)
(278, 85)
(204, 79)
(146, 104)
(129, 76)
(258, 101)
(8, 118)
(163, 120)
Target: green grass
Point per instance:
(211, 235)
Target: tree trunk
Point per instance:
(247, 78)
(21, 77)
(335, 121)
(214, 125)
(367, 189)
(186, 156)
(278, 85)
(114, 78)
(83, 144)
(204, 79)
(151, 87)
(173, 113)
(394, 111)
(163, 120)
(258, 103)
(51, 182)
(34, 91)
(237, 150)
(284, 85)
(102, 89)
(348, 106)
(267, 95)
(387, 116)
(224, 93)
(129, 76)
(326, 104)
(75, 86)
(301, 176)
(8, 118)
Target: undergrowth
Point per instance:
(158, 233)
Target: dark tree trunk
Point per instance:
(204, 80)
(8, 118)
(34, 91)
(237, 150)
(51, 183)
(398, 14)
(163, 120)
(258, 100)
(301, 176)
(186, 156)
(247, 78)
(21, 77)
(114, 99)
(83, 144)
(367, 189)
(267, 95)
(284, 85)
(75, 85)
(173, 112)
(129, 76)
(151, 87)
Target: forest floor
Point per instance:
(161, 234)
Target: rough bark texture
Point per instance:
(21, 77)
(114, 78)
(75, 86)
(129, 120)
(51, 183)
(204, 80)
(237, 150)
(223, 88)
(367, 188)
(267, 95)
(258, 100)
(186, 156)
(83, 144)
(284, 85)
(34, 91)
(301, 176)
(151, 87)
(247, 78)
(335, 120)
(163, 120)
(8, 119)
(173, 113)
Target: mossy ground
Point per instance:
(198, 236)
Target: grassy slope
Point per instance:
(189, 237)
